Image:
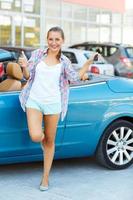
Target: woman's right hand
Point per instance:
(22, 61)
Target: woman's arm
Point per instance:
(85, 68)
(23, 62)
(82, 72)
(27, 64)
(26, 73)
(75, 76)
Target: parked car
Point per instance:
(99, 122)
(120, 55)
(79, 57)
(18, 50)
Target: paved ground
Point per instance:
(71, 179)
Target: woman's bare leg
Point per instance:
(34, 119)
(50, 124)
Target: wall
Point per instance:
(113, 5)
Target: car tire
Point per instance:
(115, 150)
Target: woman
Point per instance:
(45, 95)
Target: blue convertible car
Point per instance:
(99, 122)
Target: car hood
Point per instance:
(121, 85)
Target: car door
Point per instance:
(85, 112)
(14, 136)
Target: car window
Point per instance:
(100, 60)
(129, 52)
(81, 47)
(112, 50)
(71, 56)
(28, 54)
(99, 49)
(95, 48)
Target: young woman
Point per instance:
(45, 95)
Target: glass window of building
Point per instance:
(79, 12)
(105, 17)
(31, 31)
(16, 26)
(128, 19)
(49, 24)
(128, 35)
(128, 30)
(53, 8)
(116, 34)
(93, 15)
(31, 6)
(78, 32)
(5, 30)
(13, 5)
(17, 5)
(52, 22)
(105, 34)
(93, 33)
(66, 10)
(116, 19)
(67, 28)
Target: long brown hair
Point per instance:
(57, 29)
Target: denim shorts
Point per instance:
(46, 109)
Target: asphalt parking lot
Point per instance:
(70, 179)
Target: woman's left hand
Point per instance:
(86, 66)
(85, 77)
(92, 58)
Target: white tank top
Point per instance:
(45, 87)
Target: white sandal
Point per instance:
(43, 188)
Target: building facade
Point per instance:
(25, 23)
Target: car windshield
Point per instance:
(101, 60)
(129, 51)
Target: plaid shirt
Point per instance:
(68, 74)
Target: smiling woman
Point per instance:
(46, 94)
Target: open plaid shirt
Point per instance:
(68, 74)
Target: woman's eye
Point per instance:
(56, 39)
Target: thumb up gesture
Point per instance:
(22, 61)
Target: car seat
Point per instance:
(13, 80)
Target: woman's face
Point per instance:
(54, 41)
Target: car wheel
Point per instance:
(115, 150)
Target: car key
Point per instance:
(95, 57)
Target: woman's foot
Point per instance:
(43, 188)
(44, 185)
